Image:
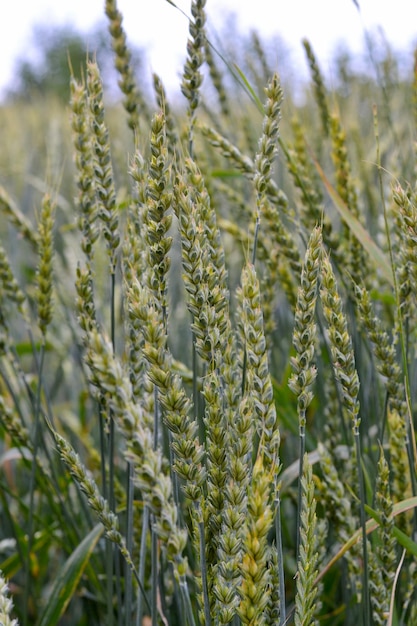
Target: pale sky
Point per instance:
(162, 30)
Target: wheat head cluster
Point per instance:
(207, 382)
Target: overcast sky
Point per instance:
(162, 30)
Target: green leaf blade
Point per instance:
(68, 578)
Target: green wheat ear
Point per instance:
(384, 348)
(257, 380)
(340, 343)
(189, 453)
(319, 87)
(150, 473)
(9, 287)
(399, 463)
(173, 140)
(307, 603)
(17, 219)
(344, 368)
(84, 164)
(157, 219)
(304, 335)
(385, 560)
(192, 77)
(407, 223)
(217, 80)
(356, 260)
(88, 486)
(102, 164)
(134, 101)
(304, 339)
(339, 512)
(44, 273)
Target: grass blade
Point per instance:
(371, 525)
(377, 255)
(68, 579)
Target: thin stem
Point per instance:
(195, 380)
(36, 438)
(187, 602)
(154, 537)
(154, 575)
(366, 598)
(302, 439)
(129, 543)
(112, 555)
(102, 435)
(142, 561)
(110, 552)
(255, 237)
(280, 558)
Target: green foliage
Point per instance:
(207, 386)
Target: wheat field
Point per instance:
(207, 326)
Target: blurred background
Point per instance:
(32, 32)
